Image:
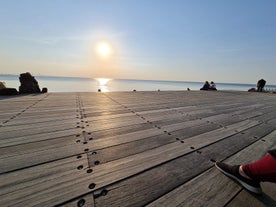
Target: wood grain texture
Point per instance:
(212, 188)
(131, 148)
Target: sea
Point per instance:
(75, 84)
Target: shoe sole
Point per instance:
(245, 185)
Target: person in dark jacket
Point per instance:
(260, 85)
(206, 86)
(250, 175)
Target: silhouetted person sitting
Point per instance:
(213, 86)
(206, 86)
(250, 175)
(260, 85)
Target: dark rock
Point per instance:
(28, 84)
(44, 90)
(8, 91)
(2, 85)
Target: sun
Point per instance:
(104, 49)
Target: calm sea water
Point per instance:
(65, 84)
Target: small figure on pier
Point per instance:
(260, 85)
(209, 86)
(213, 86)
(250, 175)
(206, 86)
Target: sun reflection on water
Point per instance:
(102, 84)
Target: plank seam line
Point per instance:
(141, 117)
(231, 136)
(234, 196)
(74, 198)
(42, 163)
(135, 113)
(186, 181)
(43, 139)
(22, 111)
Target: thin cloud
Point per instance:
(226, 50)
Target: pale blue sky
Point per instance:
(195, 40)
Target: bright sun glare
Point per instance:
(104, 49)
(102, 84)
(103, 81)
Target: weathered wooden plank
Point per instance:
(69, 123)
(37, 118)
(233, 114)
(32, 147)
(209, 116)
(27, 179)
(212, 194)
(246, 199)
(106, 117)
(38, 137)
(151, 184)
(235, 143)
(120, 131)
(12, 134)
(224, 118)
(130, 118)
(19, 121)
(110, 141)
(267, 116)
(107, 112)
(50, 192)
(18, 161)
(35, 111)
(114, 124)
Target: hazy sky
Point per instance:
(190, 40)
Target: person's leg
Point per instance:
(263, 169)
(250, 175)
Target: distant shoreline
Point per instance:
(130, 79)
(79, 84)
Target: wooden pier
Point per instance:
(154, 149)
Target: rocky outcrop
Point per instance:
(28, 84)
(4, 91)
(8, 91)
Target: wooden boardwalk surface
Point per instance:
(132, 148)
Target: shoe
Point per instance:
(233, 172)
